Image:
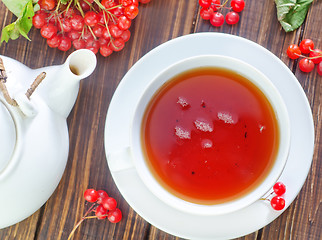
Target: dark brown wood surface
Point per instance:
(158, 22)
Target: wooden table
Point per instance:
(158, 22)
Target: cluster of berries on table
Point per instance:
(98, 25)
(212, 10)
(307, 62)
(277, 201)
(103, 206)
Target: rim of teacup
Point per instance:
(256, 77)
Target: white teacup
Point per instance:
(134, 156)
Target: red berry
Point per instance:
(106, 34)
(39, 20)
(232, 18)
(316, 55)
(105, 50)
(108, 3)
(65, 25)
(65, 44)
(205, 3)
(237, 5)
(136, 2)
(102, 18)
(79, 43)
(117, 44)
(217, 19)
(131, 11)
(48, 31)
(306, 65)
(91, 195)
(124, 23)
(85, 7)
(206, 14)
(98, 31)
(115, 215)
(306, 45)
(47, 4)
(126, 35)
(101, 212)
(54, 41)
(278, 203)
(103, 41)
(77, 22)
(115, 31)
(118, 11)
(93, 49)
(293, 51)
(319, 68)
(279, 188)
(126, 3)
(109, 203)
(73, 35)
(215, 5)
(90, 19)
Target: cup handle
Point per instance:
(121, 160)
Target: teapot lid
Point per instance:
(7, 136)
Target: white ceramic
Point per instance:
(34, 135)
(212, 227)
(136, 155)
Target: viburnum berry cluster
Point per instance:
(103, 206)
(313, 56)
(98, 25)
(212, 10)
(277, 202)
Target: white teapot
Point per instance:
(34, 138)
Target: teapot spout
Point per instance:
(62, 88)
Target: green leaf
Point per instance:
(291, 13)
(15, 6)
(21, 26)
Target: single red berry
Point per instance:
(205, 3)
(90, 19)
(109, 203)
(293, 51)
(73, 35)
(126, 3)
(54, 41)
(306, 45)
(105, 50)
(319, 68)
(123, 23)
(77, 22)
(237, 5)
(106, 34)
(232, 18)
(215, 5)
(103, 41)
(118, 11)
(93, 49)
(136, 2)
(131, 11)
(91, 195)
(306, 65)
(48, 31)
(102, 18)
(108, 3)
(117, 45)
(277, 203)
(115, 31)
(279, 188)
(85, 7)
(78, 43)
(217, 19)
(47, 4)
(65, 44)
(316, 56)
(65, 25)
(101, 212)
(206, 14)
(39, 20)
(98, 30)
(115, 215)
(126, 35)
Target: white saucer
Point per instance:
(120, 113)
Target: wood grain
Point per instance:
(158, 22)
